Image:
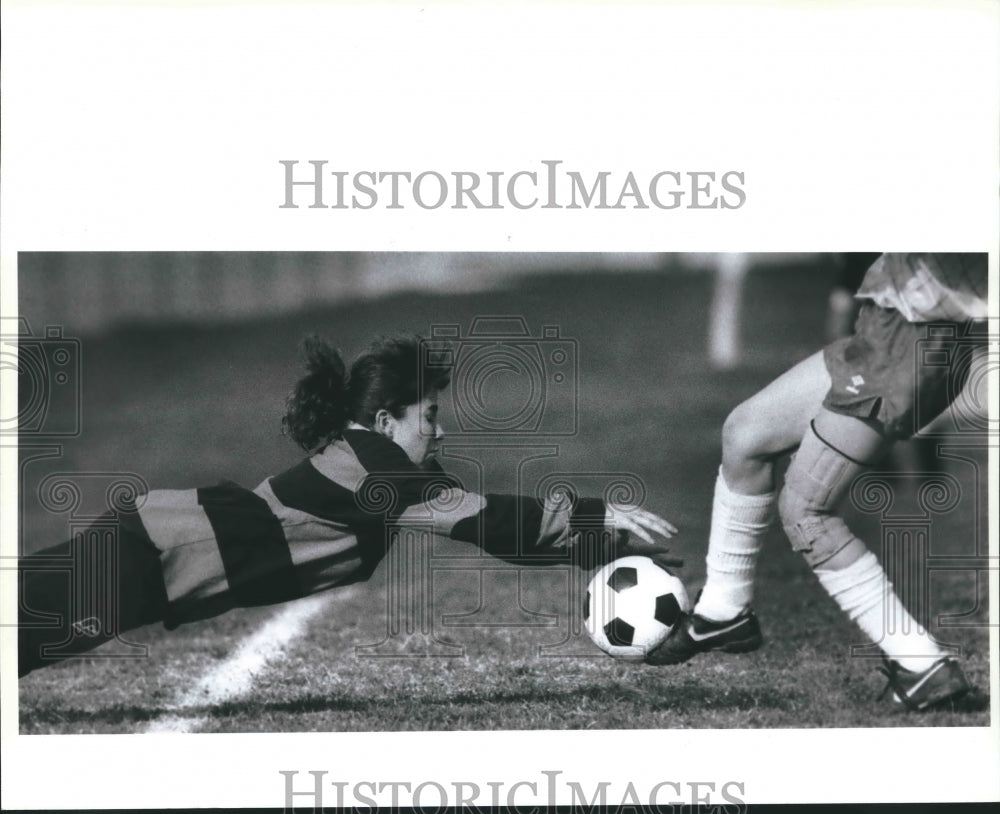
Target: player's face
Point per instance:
(417, 430)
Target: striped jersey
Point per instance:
(929, 287)
(328, 521)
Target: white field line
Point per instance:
(235, 676)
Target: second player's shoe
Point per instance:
(695, 634)
(941, 683)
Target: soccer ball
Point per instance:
(631, 606)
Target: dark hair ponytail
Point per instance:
(391, 375)
(317, 409)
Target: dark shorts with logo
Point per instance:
(899, 374)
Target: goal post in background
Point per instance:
(726, 309)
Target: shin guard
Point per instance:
(817, 480)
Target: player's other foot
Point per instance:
(695, 634)
(942, 682)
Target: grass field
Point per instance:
(187, 407)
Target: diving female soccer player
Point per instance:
(371, 434)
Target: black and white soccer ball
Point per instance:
(631, 606)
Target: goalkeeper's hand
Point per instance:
(640, 532)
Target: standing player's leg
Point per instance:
(754, 435)
(834, 451)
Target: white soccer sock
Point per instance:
(738, 526)
(865, 594)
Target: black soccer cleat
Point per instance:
(941, 683)
(695, 634)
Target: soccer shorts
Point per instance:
(899, 374)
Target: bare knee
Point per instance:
(746, 463)
(739, 435)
